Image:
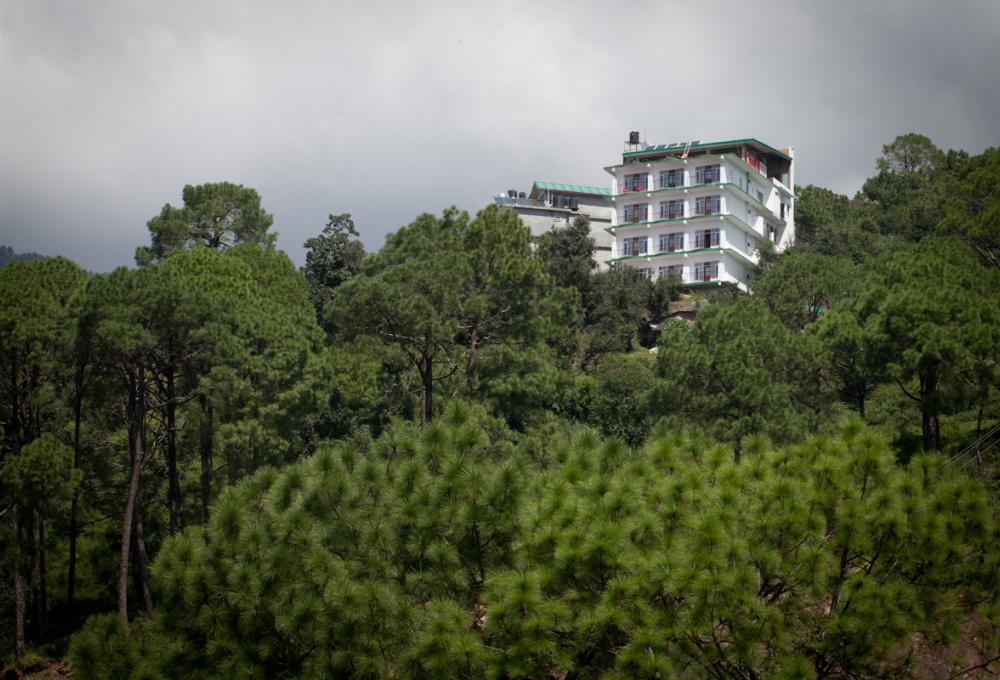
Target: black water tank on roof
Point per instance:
(511, 193)
(633, 137)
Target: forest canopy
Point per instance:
(473, 454)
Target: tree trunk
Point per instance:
(43, 600)
(930, 428)
(141, 561)
(206, 444)
(426, 369)
(19, 639)
(136, 413)
(74, 511)
(173, 479)
(14, 429)
(28, 530)
(470, 366)
(979, 434)
(74, 514)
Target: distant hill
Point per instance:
(8, 255)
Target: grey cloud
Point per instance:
(394, 108)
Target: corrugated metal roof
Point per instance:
(574, 188)
(680, 146)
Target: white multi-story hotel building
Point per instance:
(701, 210)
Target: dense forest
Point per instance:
(470, 454)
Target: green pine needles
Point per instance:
(462, 551)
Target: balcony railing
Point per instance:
(671, 213)
(636, 216)
(634, 185)
(669, 182)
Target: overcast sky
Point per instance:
(388, 109)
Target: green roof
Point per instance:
(574, 188)
(750, 141)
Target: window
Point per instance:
(707, 174)
(706, 238)
(760, 196)
(671, 178)
(635, 183)
(672, 270)
(771, 233)
(645, 271)
(671, 243)
(634, 246)
(671, 210)
(706, 271)
(635, 213)
(708, 205)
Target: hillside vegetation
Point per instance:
(459, 457)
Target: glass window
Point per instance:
(708, 205)
(671, 178)
(672, 270)
(634, 183)
(708, 173)
(671, 210)
(671, 243)
(634, 246)
(706, 271)
(635, 213)
(706, 238)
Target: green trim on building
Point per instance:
(750, 141)
(613, 227)
(573, 188)
(698, 187)
(676, 252)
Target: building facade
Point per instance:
(701, 211)
(552, 205)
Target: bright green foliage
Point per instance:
(333, 257)
(973, 209)
(821, 559)
(448, 554)
(739, 371)
(338, 563)
(104, 649)
(214, 215)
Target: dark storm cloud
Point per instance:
(389, 109)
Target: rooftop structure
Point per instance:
(552, 205)
(701, 210)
